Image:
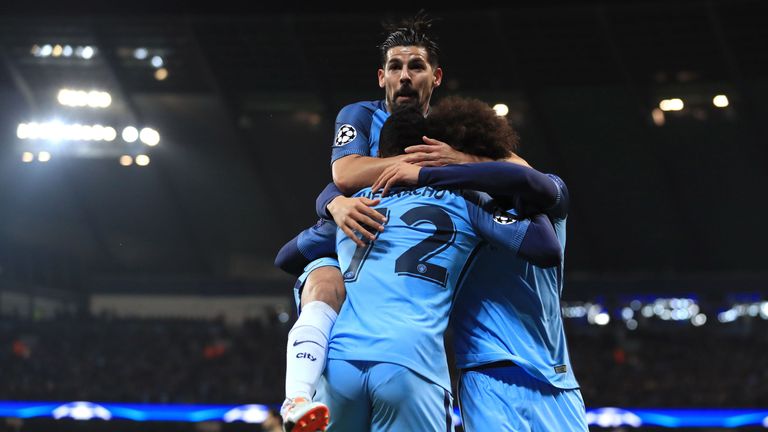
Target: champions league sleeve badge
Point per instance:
(346, 135)
(503, 218)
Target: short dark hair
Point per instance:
(471, 126)
(411, 32)
(403, 128)
(468, 125)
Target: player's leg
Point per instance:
(491, 399)
(559, 409)
(321, 293)
(403, 400)
(342, 389)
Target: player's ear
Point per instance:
(381, 78)
(438, 77)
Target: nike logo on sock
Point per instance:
(296, 343)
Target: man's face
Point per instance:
(407, 77)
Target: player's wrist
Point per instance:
(333, 205)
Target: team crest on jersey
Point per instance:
(346, 135)
(502, 217)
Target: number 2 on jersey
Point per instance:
(415, 261)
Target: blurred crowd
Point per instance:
(203, 361)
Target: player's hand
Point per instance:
(399, 174)
(350, 214)
(437, 153)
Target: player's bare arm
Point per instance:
(437, 153)
(354, 172)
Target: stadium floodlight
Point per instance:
(602, 319)
(27, 157)
(753, 310)
(157, 61)
(675, 104)
(632, 324)
(97, 99)
(98, 132)
(149, 136)
(43, 156)
(161, 74)
(720, 101)
(130, 134)
(46, 50)
(140, 53)
(693, 309)
(35, 50)
(81, 98)
(23, 131)
(81, 411)
(67, 51)
(126, 160)
(57, 50)
(247, 413)
(142, 160)
(764, 310)
(109, 134)
(699, 320)
(728, 316)
(87, 52)
(57, 131)
(647, 311)
(501, 109)
(613, 417)
(627, 313)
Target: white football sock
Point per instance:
(308, 349)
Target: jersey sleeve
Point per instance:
(326, 196)
(531, 191)
(532, 239)
(353, 124)
(494, 224)
(315, 242)
(559, 210)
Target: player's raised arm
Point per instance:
(500, 179)
(355, 172)
(532, 239)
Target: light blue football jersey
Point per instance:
(400, 288)
(509, 309)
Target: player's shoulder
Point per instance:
(501, 211)
(476, 198)
(362, 108)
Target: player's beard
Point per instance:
(405, 91)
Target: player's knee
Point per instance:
(326, 285)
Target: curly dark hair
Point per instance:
(411, 32)
(468, 125)
(471, 126)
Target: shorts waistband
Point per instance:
(494, 365)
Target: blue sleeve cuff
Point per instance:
(326, 196)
